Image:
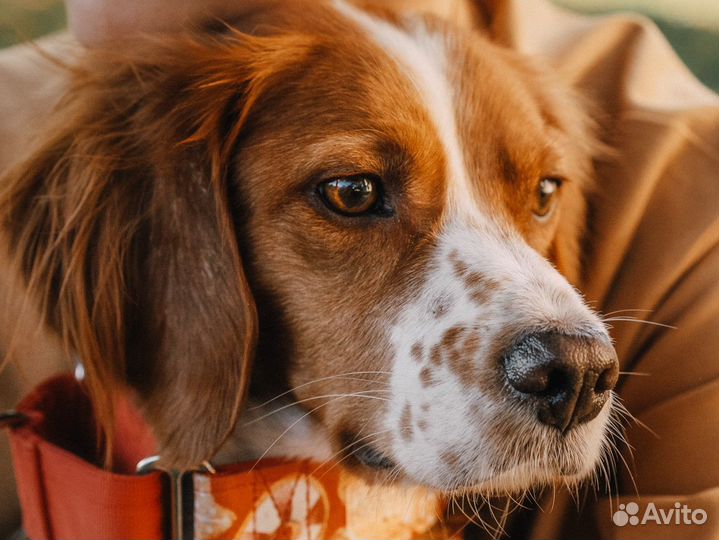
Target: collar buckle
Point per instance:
(181, 494)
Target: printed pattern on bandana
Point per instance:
(309, 501)
(296, 501)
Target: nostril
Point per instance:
(606, 381)
(536, 381)
(534, 368)
(557, 381)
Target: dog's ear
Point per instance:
(121, 225)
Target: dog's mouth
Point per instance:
(374, 459)
(568, 458)
(376, 465)
(365, 455)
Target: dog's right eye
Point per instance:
(546, 198)
(351, 195)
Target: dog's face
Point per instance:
(397, 189)
(404, 235)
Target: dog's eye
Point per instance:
(546, 197)
(351, 195)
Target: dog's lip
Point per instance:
(365, 454)
(373, 458)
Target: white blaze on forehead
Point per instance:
(422, 56)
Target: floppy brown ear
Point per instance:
(121, 226)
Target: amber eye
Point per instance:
(546, 197)
(351, 195)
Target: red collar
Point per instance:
(64, 495)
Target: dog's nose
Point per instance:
(566, 377)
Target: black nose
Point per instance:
(566, 377)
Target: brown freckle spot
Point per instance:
(479, 296)
(455, 358)
(417, 352)
(424, 407)
(451, 336)
(436, 355)
(426, 378)
(472, 343)
(405, 423)
(482, 293)
(450, 458)
(422, 425)
(460, 268)
(463, 364)
(473, 280)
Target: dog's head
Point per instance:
(380, 211)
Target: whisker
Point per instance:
(629, 472)
(554, 496)
(636, 373)
(639, 321)
(622, 410)
(339, 376)
(364, 426)
(617, 437)
(481, 523)
(361, 394)
(615, 312)
(286, 431)
(374, 436)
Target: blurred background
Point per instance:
(692, 26)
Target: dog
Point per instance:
(376, 212)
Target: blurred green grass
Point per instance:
(698, 47)
(27, 19)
